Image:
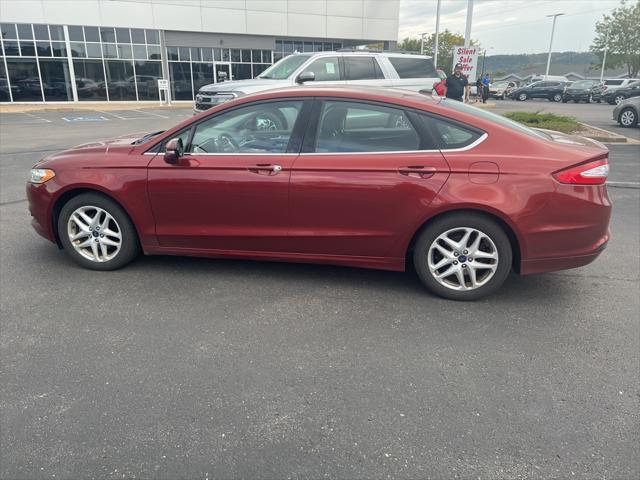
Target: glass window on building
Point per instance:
(56, 80)
(24, 79)
(241, 71)
(202, 75)
(147, 76)
(120, 80)
(5, 95)
(180, 74)
(89, 79)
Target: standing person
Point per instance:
(456, 84)
(479, 89)
(485, 87)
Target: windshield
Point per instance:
(284, 68)
(492, 117)
(500, 84)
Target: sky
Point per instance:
(510, 26)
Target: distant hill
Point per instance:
(584, 63)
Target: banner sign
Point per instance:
(468, 57)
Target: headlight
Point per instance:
(41, 175)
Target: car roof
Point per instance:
(363, 52)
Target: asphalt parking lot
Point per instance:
(192, 368)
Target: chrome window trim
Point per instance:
(477, 142)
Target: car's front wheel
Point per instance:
(628, 117)
(618, 99)
(557, 97)
(522, 97)
(463, 256)
(97, 233)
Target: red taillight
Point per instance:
(590, 173)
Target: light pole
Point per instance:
(422, 42)
(484, 55)
(553, 29)
(604, 58)
(435, 47)
(467, 30)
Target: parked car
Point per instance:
(611, 84)
(626, 112)
(552, 78)
(597, 91)
(614, 97)
(382, 69)
(501, 90)
(581, 90)
(374, 178)
(551, 90)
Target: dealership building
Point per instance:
(117, 50)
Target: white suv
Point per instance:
(398, 70)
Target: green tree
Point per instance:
(446, 41)
(620, 32)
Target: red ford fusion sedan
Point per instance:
(360, 177)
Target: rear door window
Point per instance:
(450, 135)
(352, 127)
(361, 68)
(413, 67)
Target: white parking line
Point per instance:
(151, 113)
(624, 184)
(37, 117)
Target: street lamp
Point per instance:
(604, 58)
(484, 55)
(553, 29)
(422, 42)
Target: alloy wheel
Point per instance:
(94, 233)
(557, 97)
(463, 258)
(627, 118)
(618, 99)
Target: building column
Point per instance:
(72, 72)
(165, 63)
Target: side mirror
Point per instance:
(173, 151)
(306, 77)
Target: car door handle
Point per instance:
(417, 171)
(266, 169)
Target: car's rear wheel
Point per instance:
(618, 99)
(96, 232)
(557, 97)
(522, 97)
(463, 256)
(628, 117)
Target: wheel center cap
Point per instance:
(462, 258)
(95, 234)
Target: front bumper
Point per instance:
(40, 199)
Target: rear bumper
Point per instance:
(528, 267)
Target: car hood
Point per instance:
(121, 144)
(243, 86)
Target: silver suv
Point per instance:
(398, 70)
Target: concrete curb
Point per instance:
(610, 137)
(21, 108)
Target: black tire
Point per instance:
(631, 118)
(130, 246)
(459, 220)
(522, 97)
(556, 98)
(618, 99)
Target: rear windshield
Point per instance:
(613, 82)
(414, 67)
(492, 117)
(583, 84)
